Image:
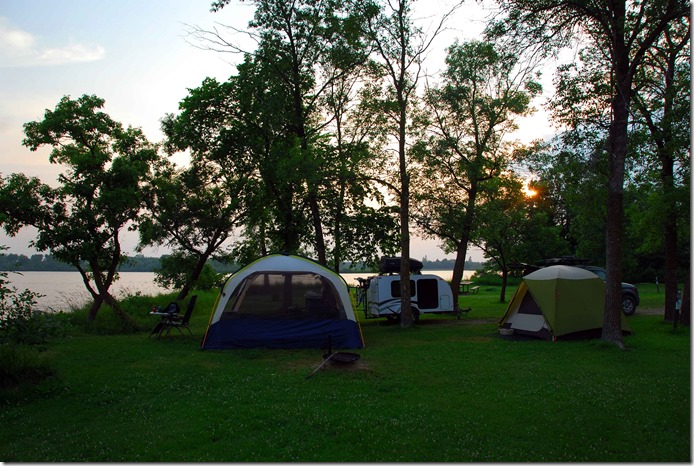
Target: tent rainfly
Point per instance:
(557, 301)
(283, 301)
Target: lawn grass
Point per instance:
(445, 390)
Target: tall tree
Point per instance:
(99, 193)
(304, 47)
(624, 31)
(400, 46)
(277, 220)
(357, 214)
(472, 112)
(662, 108)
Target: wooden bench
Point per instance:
(474, 289)
(465, 310)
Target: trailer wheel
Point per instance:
(415, 314)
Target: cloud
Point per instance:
(75, 53)
(14, 42)
(22, 49)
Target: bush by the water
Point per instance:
(20, 323)
(493, 278)
(22, 332)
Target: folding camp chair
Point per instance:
(167, 314)
(179, 323)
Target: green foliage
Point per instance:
(513, 227)
(461, 197)
(489, 276)
(176, 271)
(22, 331)
(20, 324)
(286, 97)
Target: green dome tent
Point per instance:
(556, 301)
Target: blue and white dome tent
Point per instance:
(283, 301)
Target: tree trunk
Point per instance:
(94, 309)
(406, 316)
(667, 178)
(686, 310)
(318, 229)
(461, 250)
(337, 248)
(458, 269)
(128, 321)
(618, 137)
(197, 270)
(504, 282)
(670, 275)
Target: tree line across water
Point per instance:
(47, 263)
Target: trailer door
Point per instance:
(427, 293)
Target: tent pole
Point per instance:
(325, 361)
(214, 308)
(356, 316)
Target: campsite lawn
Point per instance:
(445, 390)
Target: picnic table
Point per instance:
(465, 286)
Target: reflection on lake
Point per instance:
(65, 290)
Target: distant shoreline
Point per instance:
(47, 263)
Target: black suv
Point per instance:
(630, 294)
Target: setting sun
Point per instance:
(528, 191)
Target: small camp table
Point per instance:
(165, 322)
(465, 287)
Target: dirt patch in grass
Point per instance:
(310, 364)
(454, 321)
(653, 311)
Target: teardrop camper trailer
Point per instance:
(429, 293)
(283, 301)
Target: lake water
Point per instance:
(65, 290)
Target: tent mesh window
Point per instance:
(284, 295)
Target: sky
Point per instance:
(139, 57)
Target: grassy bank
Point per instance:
(445, 390)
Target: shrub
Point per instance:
(493, 278)
(20, 323)
(22, 364)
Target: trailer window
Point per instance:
(395, 288)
